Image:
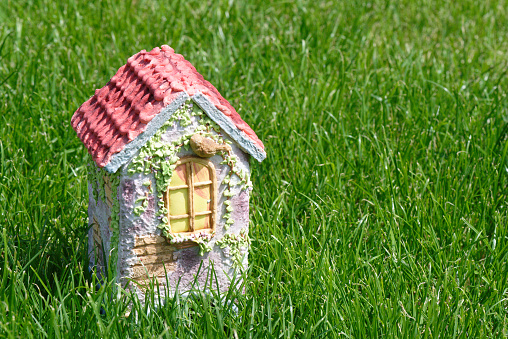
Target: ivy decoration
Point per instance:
(200, 238)
(159, 158)
(114, 179)
(96, 176)
(91, 176)
(235, 242)
(138, 210)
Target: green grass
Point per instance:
(380, 211)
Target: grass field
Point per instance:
(381, 210)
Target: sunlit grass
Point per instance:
(380, 211)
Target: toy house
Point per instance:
(169, 176)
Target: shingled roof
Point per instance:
(120, 117)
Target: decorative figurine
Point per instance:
(169, 181)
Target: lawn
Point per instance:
(380, 211)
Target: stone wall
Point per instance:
(155, 259)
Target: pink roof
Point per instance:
(121, 110)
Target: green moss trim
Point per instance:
(91, 176)
(235, 242)
(96, 177)
(114, 225)
(143, 199)
(201, 238)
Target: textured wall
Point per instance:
(99, 212)
(182, 264)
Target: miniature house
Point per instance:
(169, 177)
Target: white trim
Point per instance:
(226, 124)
